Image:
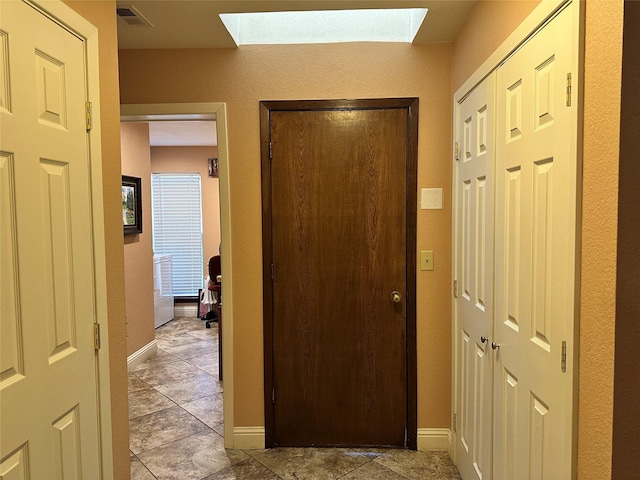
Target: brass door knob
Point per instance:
(395, 296)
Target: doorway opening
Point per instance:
(206, 112)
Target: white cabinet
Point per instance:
(162, 289)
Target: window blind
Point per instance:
(176, 206)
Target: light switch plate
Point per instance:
(426, 260)
(431, 198)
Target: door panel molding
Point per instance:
(473, 268)
(267, 108)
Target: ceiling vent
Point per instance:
(132, 17)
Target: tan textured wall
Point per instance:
(194, 160)
(100, 14)
(599, 235)
(626, 415)
(242, 77)
(138, 250)
(488, 25)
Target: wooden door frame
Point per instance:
(411, 106)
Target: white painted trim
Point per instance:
(248, 438)
(539, 15)
(68, 17)
(185, 311)
(138, 357)
(217, 111)
(434, 439)
(227, 275)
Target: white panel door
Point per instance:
(535, 256)
(474, 185)
(48, 384)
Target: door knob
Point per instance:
(395, 296)
(495, 345)
(484, 339)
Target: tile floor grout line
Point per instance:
(368, 460)
(167, 443)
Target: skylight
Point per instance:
(324, 26)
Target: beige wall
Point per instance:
(194, 160)
(244, 76)
(100, 14)
(138, 251)
(488, 25)
(599, 235)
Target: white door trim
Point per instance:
(204, 111)
(75, 23)
(538, 17)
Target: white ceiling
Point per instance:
(182, 133)
(196, 24)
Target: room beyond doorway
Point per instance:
(217, 112)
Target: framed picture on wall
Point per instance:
(213, 167)
(131, 205)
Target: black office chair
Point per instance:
(214, 272)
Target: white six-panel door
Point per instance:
(536, 172)
(474, 273)
(517, 381)
(48, 375)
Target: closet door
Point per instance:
(535, 256)
(474, 186)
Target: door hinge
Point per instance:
(272, 272)
(455, 423)
(568, 89)
(273, 395)
(270, 151)
(455, 289)
(88, 116)
(96, 336)
(563, 362)
(457, 149)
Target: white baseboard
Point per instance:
(136, 358)
(248, 438)
(428, 438)
(185, 310)
(434, 439)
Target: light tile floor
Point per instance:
(176, 426)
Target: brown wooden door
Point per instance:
(339, 233)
